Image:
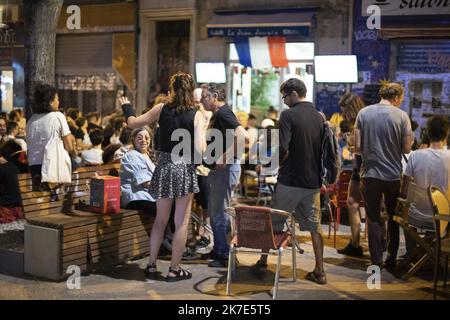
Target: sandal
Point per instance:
(180, 274)
(150, 271)
(319, 279)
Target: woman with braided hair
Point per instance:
(174, 176)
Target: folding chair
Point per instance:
(441, 211)
(252, 229)
(423, 237)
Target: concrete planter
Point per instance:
(11, 262)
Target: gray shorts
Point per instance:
(305, 202)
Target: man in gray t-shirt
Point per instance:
(382, 129)
(383, 133)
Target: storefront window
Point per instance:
(6, 88)
(300, 50)
(255, 90)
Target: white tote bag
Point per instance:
(56, 164)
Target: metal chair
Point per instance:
(339, 200)
(441, 211)
(252, 229)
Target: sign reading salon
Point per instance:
(408, 7)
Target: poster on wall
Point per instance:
(327, 99)
(371, 94)
(373, 53)
(423, 66)
(425, 95)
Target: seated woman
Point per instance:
(11, 155)
(136, 172)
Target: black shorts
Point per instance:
(202, 197)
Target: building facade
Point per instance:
(183, 35)
(95, 60)
(133, 47)
(12, 56)
(412, 47)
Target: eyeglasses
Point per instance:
(286, 95)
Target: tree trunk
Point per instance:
(41, 20)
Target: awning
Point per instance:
(262, 23)
(427, 33)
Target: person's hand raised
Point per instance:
(124, 100)
(127, 108)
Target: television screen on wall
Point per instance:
(210, 72)
(336, 69)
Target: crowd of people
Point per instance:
(373, 142)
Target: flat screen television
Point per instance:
(210, 72)
(336, 69)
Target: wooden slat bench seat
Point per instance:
(57, 235)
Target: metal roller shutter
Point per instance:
(83, 54)
(424, 56)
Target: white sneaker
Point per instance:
(204, 246)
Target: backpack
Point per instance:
(330, 156)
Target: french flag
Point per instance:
(261, 52)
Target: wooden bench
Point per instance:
(58, 236)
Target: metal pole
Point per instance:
(350, 34)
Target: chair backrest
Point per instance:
(441, 207)
(254, 227)
(342, 186)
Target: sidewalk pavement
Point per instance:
(347, 280)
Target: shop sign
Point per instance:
(12, 36)
(7, 37)
(259, 31)
(407, 7)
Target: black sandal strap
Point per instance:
(151, 272)
(180, 273)
(151, 266)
